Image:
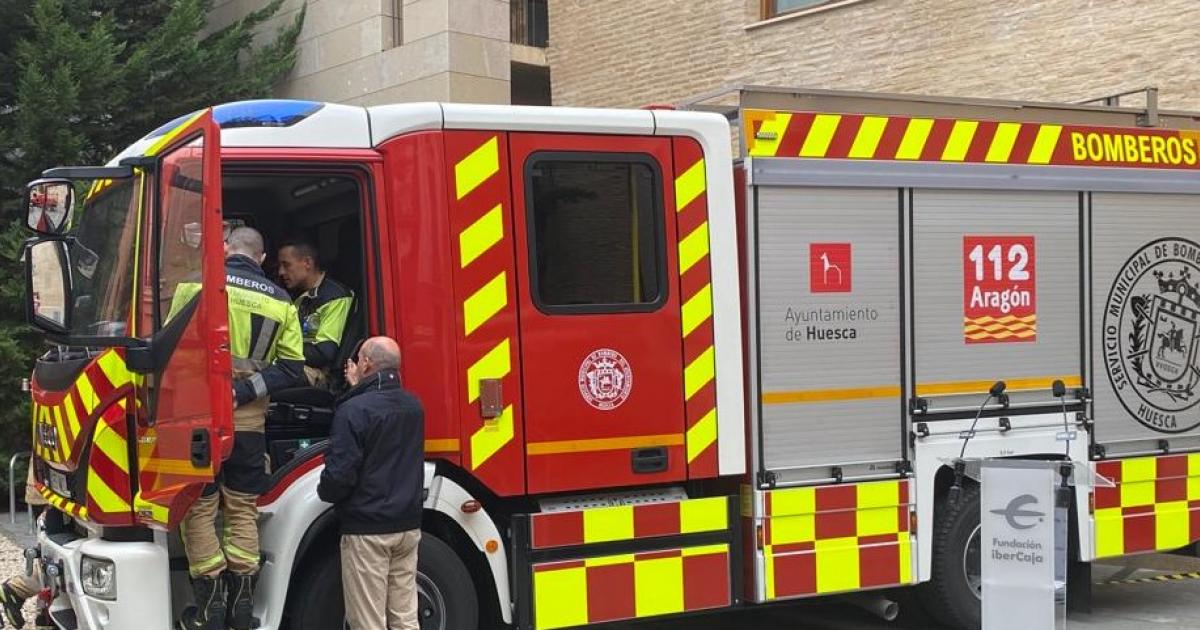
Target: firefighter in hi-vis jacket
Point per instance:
(324, 306)
(265, 341)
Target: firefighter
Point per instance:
(324, 306)
(21, 587)
(265, 342)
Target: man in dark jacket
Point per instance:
(374, 475)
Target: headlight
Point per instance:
(99, 577)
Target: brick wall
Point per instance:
(633, 52)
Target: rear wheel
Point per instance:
(953, 595)
(445, 595)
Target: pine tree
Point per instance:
(81, 79)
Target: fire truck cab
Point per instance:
(656, 380)
(547, 272)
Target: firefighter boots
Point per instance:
(241, 600)
(209, 611)
(12, 607)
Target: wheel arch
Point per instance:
(468, 534)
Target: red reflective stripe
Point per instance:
(843, 138)
(659, 519)
(557, 529)
(278, 489)
(610, 592)
(706, 581)
(939, 135)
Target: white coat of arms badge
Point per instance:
(605, 379)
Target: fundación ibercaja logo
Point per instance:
(1151, 334)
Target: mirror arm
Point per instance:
(89, 172)
(141, 359)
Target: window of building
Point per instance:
(772, 8)
(596, 237)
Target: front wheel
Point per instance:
(953, 595)
(445, 594)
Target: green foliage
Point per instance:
(81, 79)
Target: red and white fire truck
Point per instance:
(657, 379)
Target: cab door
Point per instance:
(185, 425)
(599, 313)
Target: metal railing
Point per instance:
(530, 23)
(12, 491)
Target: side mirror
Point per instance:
(48, 285)
(48, 205)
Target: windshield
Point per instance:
(103, 256)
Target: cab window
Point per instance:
(596, 236)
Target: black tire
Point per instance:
(447, 595)
(949, 596)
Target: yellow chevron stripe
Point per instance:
(914, 139)
(701, 435)
(113, 446)
(485, 303)
(693, 247)
(114, 369)
(477, 167)
(491, 437)
(697, 310)
(59, 422)
(867, 140)
(481, 235)
(1043, 146)
(170, 136)
(1002, 143)
(72, 419)
(104, 497)
(87, 395)
(689, 185)
(960, 140)
(816, 144)
(776, 125)
(699, 373)
(495, 364)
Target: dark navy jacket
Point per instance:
(374, 468)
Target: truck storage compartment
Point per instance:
(829, 317)
(1145, 303)
(995, 297)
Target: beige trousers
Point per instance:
(25, 586)
(236, 549)
(379, 580)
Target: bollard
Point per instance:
(12, 488)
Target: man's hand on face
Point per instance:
(353, 376)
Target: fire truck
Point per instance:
(658, 379)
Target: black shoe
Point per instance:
(12, 607)
(43, 622)
(240, 607)
(209, 611)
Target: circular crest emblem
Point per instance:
(1152, 332)
(605, 379)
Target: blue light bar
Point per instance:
(262, 113)
(265, 113)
